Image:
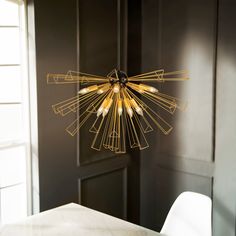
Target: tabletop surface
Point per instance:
(73, 219)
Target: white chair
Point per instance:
(190, 215)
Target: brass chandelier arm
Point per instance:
(75, 126)
(73, 79)
(77, 73)
(148, 73)
(166, 105)
(164, 126)
(159, 99)
(99, 136)
(160, 76)
(71, 105)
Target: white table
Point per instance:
(72, 220)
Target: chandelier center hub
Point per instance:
(119, 77)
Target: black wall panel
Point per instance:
(100, 194)
(88, 36)
(97, 54)
(56, 52)
(199, 153)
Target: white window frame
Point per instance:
(28, 90)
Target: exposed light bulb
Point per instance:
(83, 91)
(139, 111)
(136, 87)
(99, 112)
(101, 108)
(107, 107)
(116, 88)
(128, 107)
(120, 109)
(136, 107)
(130, 112)
(140, 90)
(103, 89)
(88, 89)
(153, 90)
(147, 88)
(100, 91)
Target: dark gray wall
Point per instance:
(179, 35)
(102, 43)
(81, 35)
(134, 67)
(194, 35)
(197, 36)
(56, 52)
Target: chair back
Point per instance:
(190, 215)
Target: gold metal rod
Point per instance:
(161, 77)
(84, 74)
(65, 79)
(157, 119)
(142, 139)
(98, 148)
(132, 135)
(75, 126)
(66, 107)
(169, 108)
(155, 79)
(181, 105)
(151, 72)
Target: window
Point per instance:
(14, 114)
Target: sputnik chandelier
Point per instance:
(116, 104)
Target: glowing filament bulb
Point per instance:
(107, 107)
(116, 88)
(140, 90)
(147, 88)
(130, 112)
(136, 107)
(128, 107)
(101, 108)
(103, 89)
(88, 89)
(136, 87)
(120, 110)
